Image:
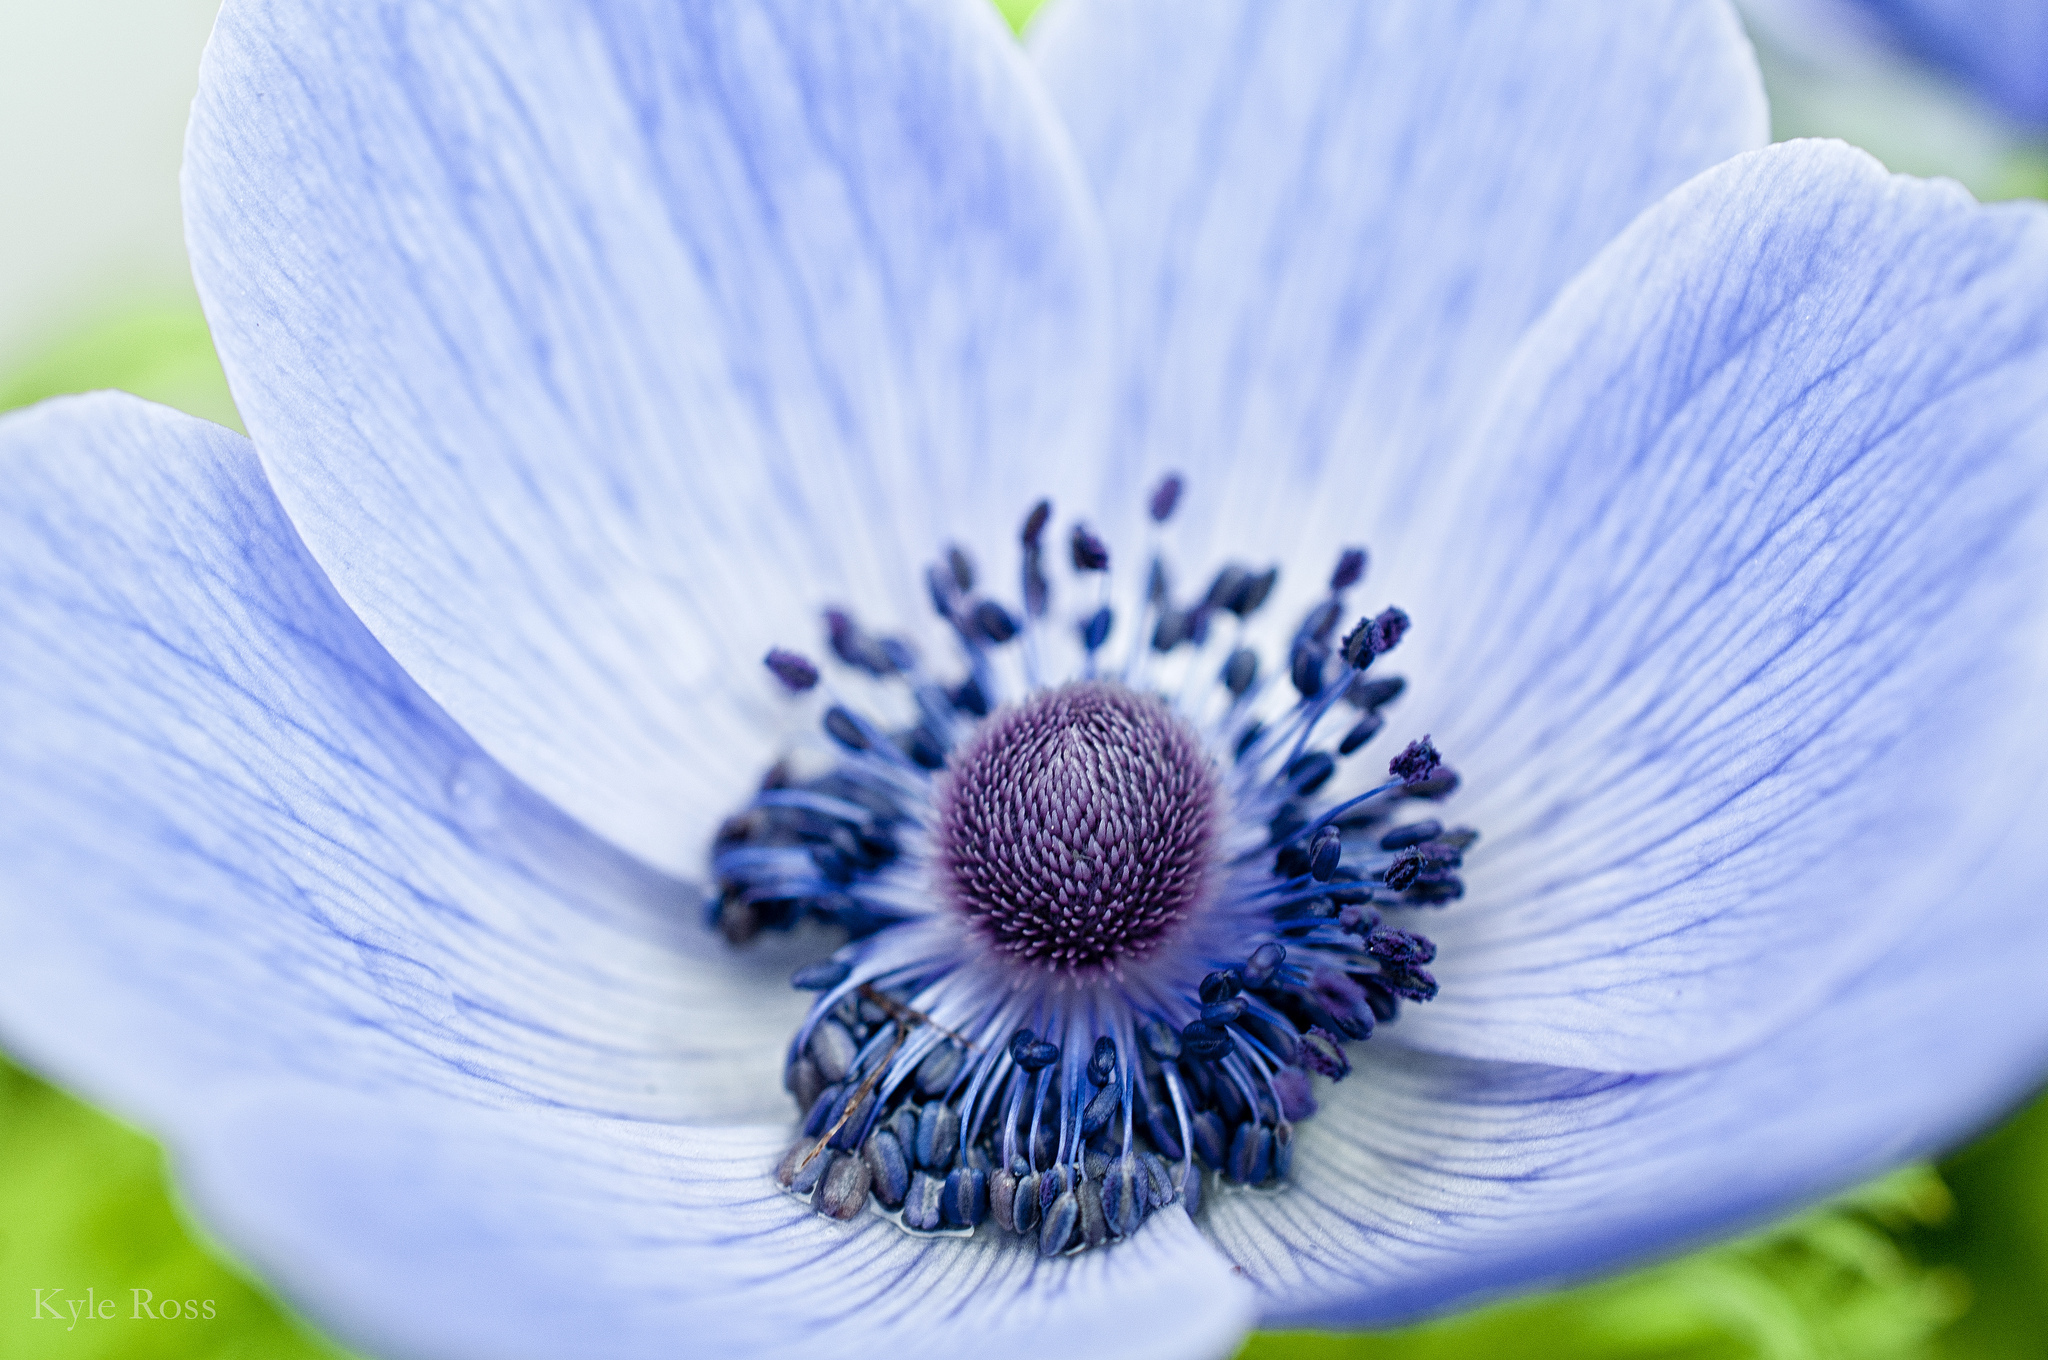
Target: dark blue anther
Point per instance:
(1320, 1052)
(1374, 694)
(1305, 668)
(939, 587)
(803, 1081)
(1221, 985)
(832, 1048)
(1052, 1183)
(903, 1124)
(1374, 637)
(1211, 1138)
(851, 644)
(820, 977)
(1264, 963)
(841, 727)
(1416, 763)
(964, 1203)
(786, 1170)
(1434, 787)
(1002, 1199)
(1206, 1042)
(1095, 631)
(923, 748)
(1035, 522)
(888, 1168)
(1197, 626)
(1322, 621)
(1094, 1223)
(1250, 1160)
(1090, 552)
(1240, 671)
(1158, 1180)
(993, 622)
(1414, 984)
(938, 1136)
(1123, 1196)
(1400, 946)
(820, 1115)
(1165, 497)
(1251, 592)
(1228, 585)
(901, 654)
(805, 1175)
(1025, 1210)
(1245, 738)
(1325, 849)
(1101, 1108)
(1157, 588)
(970, 698)
(1309, 772)
(1156, 1113)
(843, 1192)
(1362, 731)
(1283, 1152)
(1030, 1052)
(1171, 630)
(1102, 1062)
(921, 1205)
(1037, 590)
(819, 1118)
(855, 1129)
(1350, 569)
(1401, 837)
(1223, 1012)
(793, 669)
(1061, 1219)
(1160, 1040)
(939, 1069)
(1429, 862)
(1379, 998)
(962, 567)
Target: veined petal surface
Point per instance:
(435, 1058)
(1332, 222)
(1733, 593)
(593, 347)
(1428, 1181)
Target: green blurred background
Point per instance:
(1935, 1261)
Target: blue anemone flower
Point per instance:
(368, 782)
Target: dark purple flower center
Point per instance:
(1078, 829)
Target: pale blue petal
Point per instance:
(560, 1236)
(1998, 49)
(1735, 587)
(594, 347)
(1331, 223)
(1429, 1181)
(441, 1062)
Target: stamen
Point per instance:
(1101, 934)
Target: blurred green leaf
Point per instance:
(164, 353)
(1018, 12)
(83, 1206)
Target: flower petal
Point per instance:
(1735, 585)
(240, 842)
(557, 1235)
(1427, 1181)
(1331, 223)
(422, 1043)
(594, 347)
(1997, 48)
